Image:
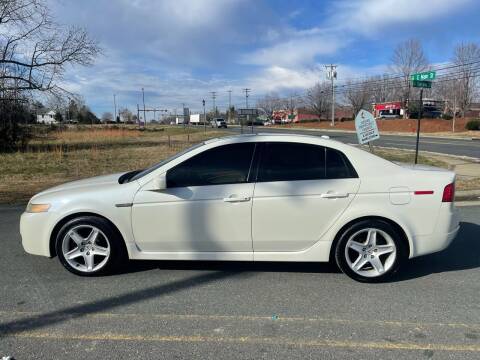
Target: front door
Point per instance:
(301, 190)
(205, 208)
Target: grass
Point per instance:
(63, 156)
(408, 157)
(60, 156)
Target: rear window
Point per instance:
(338, 166)
(287, 161)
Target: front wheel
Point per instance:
(89, 246)
(370, 251)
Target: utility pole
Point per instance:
(214, 96)
(138, 114)
(204, 117)
(247, 90)
(229, 103)
(454, 105)
(332, 75)
(144, 112)
(246, 97)
(115, 106)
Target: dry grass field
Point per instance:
(59, 156)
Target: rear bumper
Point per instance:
(446, 230)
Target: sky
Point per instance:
(181, 50)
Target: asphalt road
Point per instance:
(470, 148)
(168, 310)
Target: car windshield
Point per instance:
(163, 162)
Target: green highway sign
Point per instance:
(422, 84)
(428, 75)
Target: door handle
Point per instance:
(333, 195)
(233, 199)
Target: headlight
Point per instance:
(37, 208)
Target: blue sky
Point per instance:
(180, 50)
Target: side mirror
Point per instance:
(160, 182)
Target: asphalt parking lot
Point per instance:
(156, 310)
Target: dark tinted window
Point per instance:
(227, 164)
(338, 167)
(291, 161)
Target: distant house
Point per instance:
(46, 117)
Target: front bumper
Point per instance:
(34, 229)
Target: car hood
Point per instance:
(84, 183)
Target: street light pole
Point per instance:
(332, 75)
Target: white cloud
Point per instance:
(277, 78)
(372, 15)
(298, 50)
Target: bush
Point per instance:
(447, 117)
(14, 136)
(473, 125)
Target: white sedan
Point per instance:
(250, 198)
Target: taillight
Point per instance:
(448, 193)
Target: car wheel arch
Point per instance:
(64, 220)
(401, 231)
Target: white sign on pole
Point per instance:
(366, 127)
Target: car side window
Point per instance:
(226, 164)
(338, 166)
(285, 161)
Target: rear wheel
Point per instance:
(370, 251)
(89, 246)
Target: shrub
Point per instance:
(447, 117)
(14, 136)
(473, 125)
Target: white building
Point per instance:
(46, 117)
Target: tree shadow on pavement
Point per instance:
(462, 254)
(78, 311)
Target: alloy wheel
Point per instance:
(370, 252)
(86, 248)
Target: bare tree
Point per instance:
(383, 88)
(35, 50)
(125, 115)
(271, 102)
(408, 58)
(318, 99)
(358, 95)
(466, 56)
(107, 116)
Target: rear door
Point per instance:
(301, 190)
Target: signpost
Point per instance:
(247, 112)
(366, 127)
(423, 81)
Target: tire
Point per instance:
(90, 246)
(370, 251)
